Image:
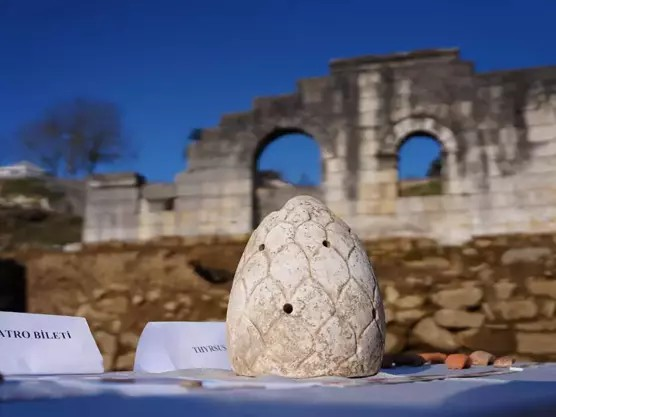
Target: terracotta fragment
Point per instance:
(458, 361)
(434, 357)
(481, 358)
(504, 362)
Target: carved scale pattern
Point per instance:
(306, 257)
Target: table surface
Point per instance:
(530, 392)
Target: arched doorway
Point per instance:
(287, 163)
(420, 165)
(13, 286)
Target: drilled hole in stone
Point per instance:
(261, 248)
(326, 243)
(288, 308)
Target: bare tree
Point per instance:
(75, 137)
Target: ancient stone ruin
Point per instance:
(497, 131)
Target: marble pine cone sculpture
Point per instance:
(305, 301)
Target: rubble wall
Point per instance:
(495, 293)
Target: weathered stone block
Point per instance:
(458, 319)
(410, 301)
(529, 255)
(432, 204)
(541, 165)
(540, 117)
(537, 326)
(544, 149)
(458, 298)
(409, 316)
(370, 191)
(542, 133)
(516, 309)
(430, 334)
(548, 308)
(503, 289)
(541, 287)
(452, 203)
(391, 294)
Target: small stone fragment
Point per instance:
(458, 361)
(481, 358)
(434, 357)
(504, 362)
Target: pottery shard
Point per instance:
(458, 319)
(430, 334)
(481, 358)
(458, 298)
(434, 357)
(504, 362)
(304, 300)
(458, 361)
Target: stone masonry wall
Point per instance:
(496, 129)
(494, 293)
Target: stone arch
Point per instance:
(274, 198)
(407, 127)
(266, 131)
(427, 125)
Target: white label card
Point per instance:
(42, 344)
(172, 346)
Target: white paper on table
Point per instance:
(171, 346)
(43, 344)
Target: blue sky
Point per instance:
(172, 66)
